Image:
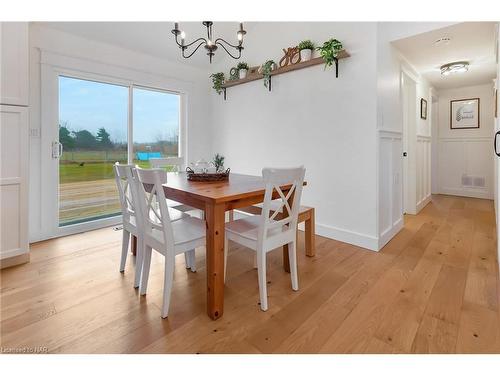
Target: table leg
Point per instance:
(310, 235)
(215, 218)
(133, 245)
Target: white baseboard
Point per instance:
(386, 236)
(483, 194)
(423, 203)
(13, 253)
(344, 235)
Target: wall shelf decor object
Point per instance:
(285, 69)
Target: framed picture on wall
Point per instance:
(423, 109)
(464, 113)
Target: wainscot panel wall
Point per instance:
(465, 156)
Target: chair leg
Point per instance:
(138, 262)
(125, 241)
(167, 285)
(226, 249)
(261, 271)
(292, 258)
(192, 260)
(187, 259)
(146, 265)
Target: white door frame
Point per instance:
(409, 116)
(53, 66)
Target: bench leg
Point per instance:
(133, 245)
(310, 234)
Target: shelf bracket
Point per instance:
(224, 93)
(269, 83)
(336, 67)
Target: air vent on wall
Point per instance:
(479, 182)
(473, 181)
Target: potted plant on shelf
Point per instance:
(266, 69)
(329, 51)
(242, 69)
(218, 81)
(306, 48)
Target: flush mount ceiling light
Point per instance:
(209, 42)
(443, 41)
(454, 67)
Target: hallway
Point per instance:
(432, 289)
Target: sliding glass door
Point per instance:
(100, 124)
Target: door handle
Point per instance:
(495, 143)
(57, 150)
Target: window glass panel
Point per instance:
(93, 132)
(156, 125)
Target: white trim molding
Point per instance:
(423, 175)
(344, 235)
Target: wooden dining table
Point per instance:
(215, 198)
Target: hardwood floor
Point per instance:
(432, 289)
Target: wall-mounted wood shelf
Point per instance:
(301, 65)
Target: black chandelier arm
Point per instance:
(220, 41)
(190, 44)
(192, 53)
(229, 53)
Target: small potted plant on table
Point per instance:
(306, 48)
(242, 69)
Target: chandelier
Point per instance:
(209, 43)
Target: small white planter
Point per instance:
(305, 54)
(242, 73)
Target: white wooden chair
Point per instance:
(175, 165)
(169, 238)
(262, 233)
(131, 219)
(123, 176)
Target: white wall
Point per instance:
(42, 38)
(327, 124)
(466, 151)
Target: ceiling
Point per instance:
(153, 38)
(470, 41)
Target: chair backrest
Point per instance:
(153, 203)
(172, 164)
(126, 190)
(288, 198)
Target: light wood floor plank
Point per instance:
(432, 289)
